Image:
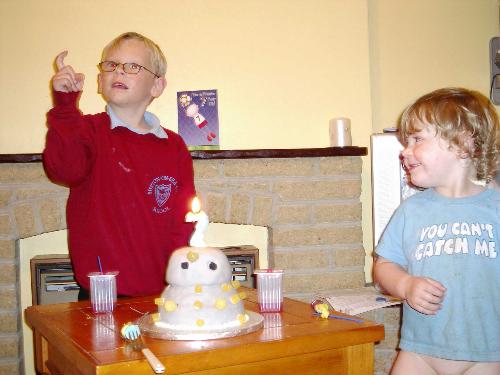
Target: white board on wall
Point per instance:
(389, 183)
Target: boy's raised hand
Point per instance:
(65, 79)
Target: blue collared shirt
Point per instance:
(150, 119)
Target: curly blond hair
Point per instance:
(458, 113)
(157, 58)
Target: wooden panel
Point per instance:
(331, 361)
(361, 359)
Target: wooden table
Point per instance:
(70, 339)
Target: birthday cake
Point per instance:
(200, 295)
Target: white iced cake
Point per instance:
(200, 294)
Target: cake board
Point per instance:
(150, 328)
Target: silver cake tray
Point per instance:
(151, 329)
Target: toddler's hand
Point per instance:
(65, 79)
(424, 294)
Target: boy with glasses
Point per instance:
(131, 180)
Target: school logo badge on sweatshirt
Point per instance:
(162, 193)
(161, 189)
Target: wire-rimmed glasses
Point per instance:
(129, 68)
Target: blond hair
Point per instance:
(458, 113)
(157, 59)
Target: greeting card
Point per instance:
(198, 119)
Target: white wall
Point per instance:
(417, 46)
(282, 68)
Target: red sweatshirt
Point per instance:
(128, 197)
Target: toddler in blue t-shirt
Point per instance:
(440, 250)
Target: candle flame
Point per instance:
(195, 205)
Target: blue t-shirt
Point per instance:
(456, 242)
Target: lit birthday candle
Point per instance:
(201, 219)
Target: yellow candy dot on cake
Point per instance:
(198, 288)
(192, 256)
(220, 304)
(235, 283)
(242, 295)
(170, 306)
(159, 301)
(155, 317)
(198, 305)
(226, 287)
(243, 318)
(235, 299)
(200, 322)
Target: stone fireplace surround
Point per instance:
(307, 198)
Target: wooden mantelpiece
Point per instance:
(280, 153)
(231, 154)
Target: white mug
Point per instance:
(340, 132)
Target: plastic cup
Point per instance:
(103, 291)
(270, 290)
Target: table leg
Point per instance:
(41, 353)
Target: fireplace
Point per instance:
(307, 199)
(217, 234)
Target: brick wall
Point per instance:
(310, 205)
(29, 205)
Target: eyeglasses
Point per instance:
(129, 68)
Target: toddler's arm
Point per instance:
(422, 293)
(65, 79)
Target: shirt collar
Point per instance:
(150, 119)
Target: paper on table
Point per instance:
(360, 303)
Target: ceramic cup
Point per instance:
(340, 132)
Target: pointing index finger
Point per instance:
(60, 59)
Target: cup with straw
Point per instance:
(102, 290)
